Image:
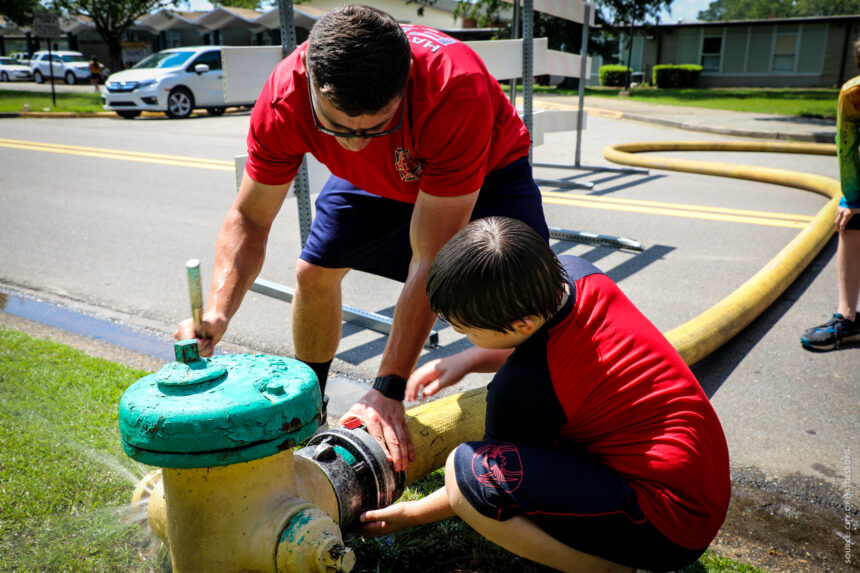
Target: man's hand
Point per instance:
(212, 328)
(385, 420)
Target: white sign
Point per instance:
(46, 25)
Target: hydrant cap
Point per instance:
(219, 411)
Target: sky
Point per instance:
(686, 9)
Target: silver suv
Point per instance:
(73, 67)
(175, 81)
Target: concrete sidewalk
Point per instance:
(735, 123)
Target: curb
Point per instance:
(85, 115)
(614, 114)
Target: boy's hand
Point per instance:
(387, 520)
(434, 376)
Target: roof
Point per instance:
(803, 20)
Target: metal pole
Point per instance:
(515, 33)
(528, 66)
(195, 291)
(583, 71)
(51, 79)
(301, 186)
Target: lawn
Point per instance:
(84, 102)
(819, 103)
(65, 483)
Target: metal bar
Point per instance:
(595, 239)
(515, 33)
(301, 185)
(636, 170)
(195, 291)
(528, 66)
(565, 184)
(370, 320)
(583, 71)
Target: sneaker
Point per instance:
(832, 333)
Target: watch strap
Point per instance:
(391, 386)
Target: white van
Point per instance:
(176, 81)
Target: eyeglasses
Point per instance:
(352, 134)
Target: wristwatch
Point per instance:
(391, 386)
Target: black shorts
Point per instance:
(853, 223)
(355, 229)
(571, 496)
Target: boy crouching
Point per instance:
(601, 452)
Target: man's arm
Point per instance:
(239, 254)
(434, 221)
(434, 507)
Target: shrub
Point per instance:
(614, 75)
(676, 76)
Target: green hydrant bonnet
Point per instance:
(218, 411)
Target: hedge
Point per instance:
(614, 75)
(676, 76)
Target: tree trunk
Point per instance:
(115, 54)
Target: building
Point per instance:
(168, 28)
(777, 52)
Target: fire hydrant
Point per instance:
(231, 494)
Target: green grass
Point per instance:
(15, 100)
(65, 482)
(820, 103)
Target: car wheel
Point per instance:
(130, 114)
(180, 103)
(38, 77)
(71, 78)
(4, 77)
(216, 110)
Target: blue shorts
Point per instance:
(355, 229)
(571, 496)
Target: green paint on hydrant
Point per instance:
(202, 412)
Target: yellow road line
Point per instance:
(141, 157)
(607, 203)
(752, 220)
(680, 206)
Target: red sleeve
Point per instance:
(273, 156)
(456, 138)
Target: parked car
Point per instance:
(176, 81)
(73, 67)
(22, 58)
(12, 71)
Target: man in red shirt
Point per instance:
(420, 139)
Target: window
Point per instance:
(784, 49)
(712, 48)
(211, 59)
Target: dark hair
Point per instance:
(494, 272)
(359, 59)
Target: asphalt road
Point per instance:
(90, 221)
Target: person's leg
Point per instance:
(521, 536)
(316, 312)
(848, 269)
(352, 229)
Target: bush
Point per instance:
(676, 76)
(614, 75)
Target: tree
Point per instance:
(761, 9)
(111, 18)
(247, 4)
(19, 11)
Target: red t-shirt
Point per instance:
(601, 376)
(458, 126)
